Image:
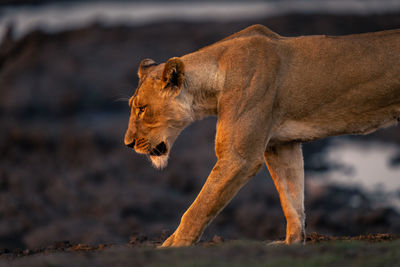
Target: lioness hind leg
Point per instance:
(285, 164)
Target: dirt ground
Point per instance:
(371, 250)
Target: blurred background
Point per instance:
(66, 71)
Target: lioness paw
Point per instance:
(172, 241)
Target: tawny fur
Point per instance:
(270, 93)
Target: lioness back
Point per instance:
(338, 85)
(319, 79)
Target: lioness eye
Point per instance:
(141, 110)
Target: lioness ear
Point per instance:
(144, 66)
(173, 74)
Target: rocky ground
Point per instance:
(65, 174)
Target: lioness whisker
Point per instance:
(158, 151)
(121, 99)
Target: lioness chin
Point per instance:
(270, 94)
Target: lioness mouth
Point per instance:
(159, 150)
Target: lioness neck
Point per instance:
(202, 85)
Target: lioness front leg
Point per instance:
(240, 157)
(225, 180)
(285, 164)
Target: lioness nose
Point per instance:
(132, 144)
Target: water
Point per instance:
(62, 16)
(366, 165)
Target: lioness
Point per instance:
(270, 94)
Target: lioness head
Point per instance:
(158, 110)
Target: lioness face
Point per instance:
(157, 113)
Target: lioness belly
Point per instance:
(318, 127)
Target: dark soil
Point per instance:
(140, 241)
(66, 175)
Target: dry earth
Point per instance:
(369, 250)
